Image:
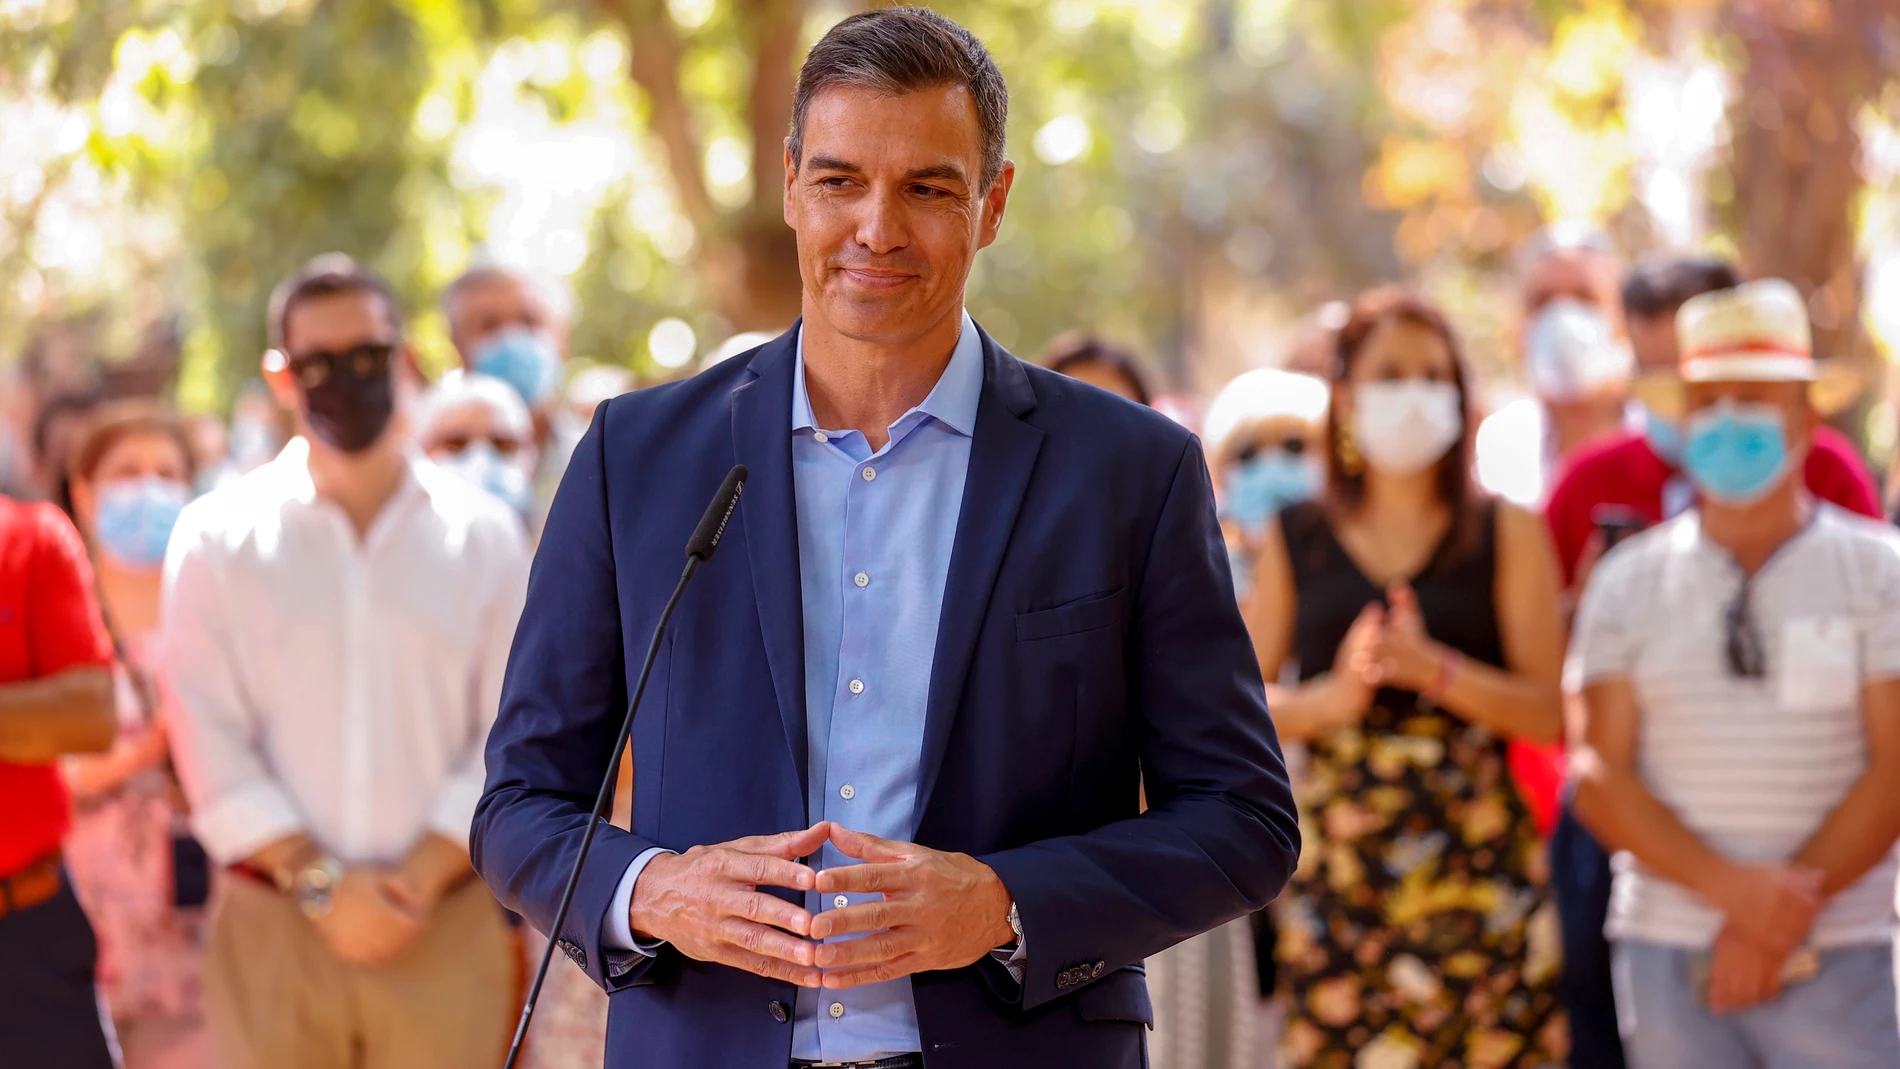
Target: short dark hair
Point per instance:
(328, 275)
(121, 419)
(1659, 286)
(1076, 348)
(898, 50)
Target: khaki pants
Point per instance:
(277, 999)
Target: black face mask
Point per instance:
(349, 397)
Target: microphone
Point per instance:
(699, 550)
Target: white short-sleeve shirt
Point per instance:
(1752, 766)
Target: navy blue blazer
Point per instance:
(1089, 645)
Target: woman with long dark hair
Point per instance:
(1423, 620)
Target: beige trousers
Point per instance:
(276, 998)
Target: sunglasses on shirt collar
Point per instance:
(1743, 647)
(315, 367)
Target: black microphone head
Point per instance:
(712, 526)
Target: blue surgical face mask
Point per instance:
(508, 478)
(525, 359)
(134, 519)
(1258, 488)
(1664, 437)
(1736, 453)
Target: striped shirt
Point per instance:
(1752, 767)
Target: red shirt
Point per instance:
(49, 621)
(1625, 471)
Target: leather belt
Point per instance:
(32, 885)
(901, 1061)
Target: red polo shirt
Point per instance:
(49, 621)
(1625, 471)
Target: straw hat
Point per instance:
(1755, 332)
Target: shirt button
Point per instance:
(820, 436)
(857, 686)
(840, 902)
(869, 474)
(847, 792)
(837, 1010)
(861, 579)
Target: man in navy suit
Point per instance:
(887, 775)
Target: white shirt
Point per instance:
(1753, 767)
(331, 685)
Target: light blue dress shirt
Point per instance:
(875, 532)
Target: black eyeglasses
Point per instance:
(1292, 447)
(1746, 658)
(367, 361)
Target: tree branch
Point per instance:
(654, 64)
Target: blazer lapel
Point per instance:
(762, 441)
(1002, 456)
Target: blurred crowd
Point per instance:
(1592, 692)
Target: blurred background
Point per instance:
(1195, 176)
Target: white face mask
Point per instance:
(1571, 352)
(1405, 426)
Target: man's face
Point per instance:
(1653, 339)
(484, 309)
(1581, 274)
(889, 208)
(332, 326)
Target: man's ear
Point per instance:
(791, 178)
(283, 385)
(995, 200)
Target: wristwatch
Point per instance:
(1016, 922)
(314, 886)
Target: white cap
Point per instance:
(460, 387)
(1755, 332)
(1265, 393)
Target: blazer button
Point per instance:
(779, 1012)
(1100, 967)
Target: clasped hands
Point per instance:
(938, 911)
(1385, 646)
(1768, 911)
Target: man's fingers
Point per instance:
(785, 844)
(884, 946)
(864, 879)
(771, 968)
(863, 847)
(867, 917)
(765, 870)
(769, 909)
(875, 973)
(766, 942)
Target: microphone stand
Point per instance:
(705, 539)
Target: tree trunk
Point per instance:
(1810, 66)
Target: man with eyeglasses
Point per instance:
(1740, 665)
(336, 625)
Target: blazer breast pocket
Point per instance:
(1091, 613)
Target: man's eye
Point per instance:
(834, 182)
(929, 191)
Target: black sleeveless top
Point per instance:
(1454, 595)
